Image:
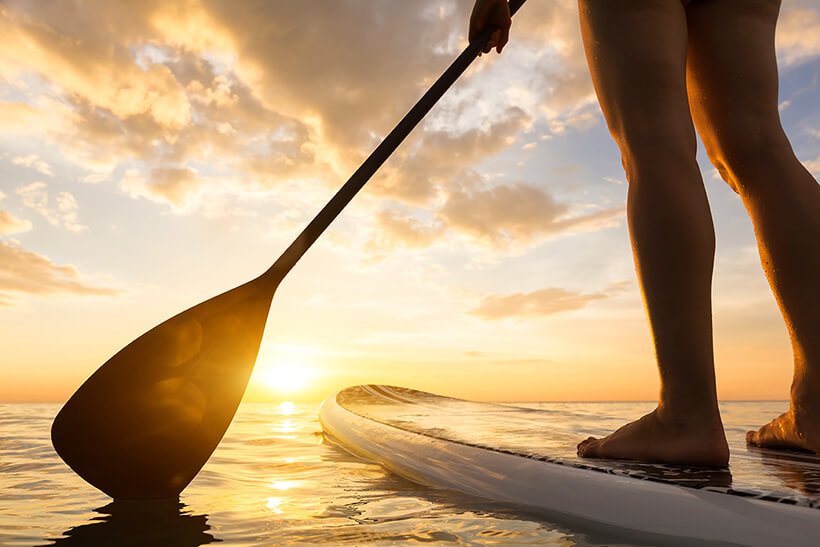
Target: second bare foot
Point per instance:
(791, 430)
(653, 439)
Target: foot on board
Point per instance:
(791, 431)
(651, 439)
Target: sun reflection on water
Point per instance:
(284, 485)
(275, 505)
(286, 426)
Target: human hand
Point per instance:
(493, 14)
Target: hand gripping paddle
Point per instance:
(144, 424)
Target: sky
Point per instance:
(154, 154)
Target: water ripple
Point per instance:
(272, 481)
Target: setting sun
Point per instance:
(287, 377)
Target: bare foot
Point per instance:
(652, 439)
(792, 430)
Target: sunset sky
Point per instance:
(154, 154)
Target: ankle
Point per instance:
(805, 389)
(703, 415)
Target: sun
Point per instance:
(287, 377)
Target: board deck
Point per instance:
(483, 448)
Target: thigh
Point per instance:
(636, 51)
(732, 77)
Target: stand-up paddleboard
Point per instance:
(523, 456)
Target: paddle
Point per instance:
(144, 424)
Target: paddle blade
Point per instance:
(145, 422)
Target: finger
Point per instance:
(504, 38)
(491, 42)
(496, 40)
(488, 46)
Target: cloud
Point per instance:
(161, 82)
(798, 35)
(62, 214)
(813, 166)
(172, 185)
(581, 120)
(505, 215)
(9, 224)
(561, 75)
(17, 117)
(538, 303)
(437, 157)
(23, 271)
(98, 67)
(262, 94)
(145, 73)
(349, 91)
(395, 229)
(500, 218)
(32, 161)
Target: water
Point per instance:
(274, 481)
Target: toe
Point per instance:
(583, 443)
(587, 448)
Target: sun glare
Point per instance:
(287, 378)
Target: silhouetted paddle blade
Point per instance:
(144, 424)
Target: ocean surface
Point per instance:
(274, 480)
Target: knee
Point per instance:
(749, 155)
(658, 156)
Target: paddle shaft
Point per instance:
(355, 183)
(144, 424)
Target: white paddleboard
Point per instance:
(520, 455)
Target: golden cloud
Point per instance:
(798, 35)
(23, 271)
(396, 229)
(553, 30)
(519, 213)
(171, 185)
(9, 224)
(32, 161)
(17, 117)
(500, 217)
(436, 157)
(86, 52)
(168, 84)
(62, 212)
(534, 304)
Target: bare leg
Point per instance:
(637, 56)
(733, 94)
